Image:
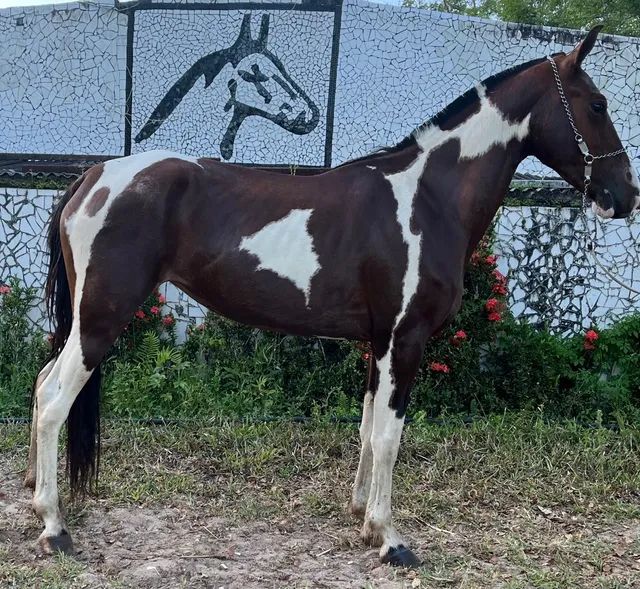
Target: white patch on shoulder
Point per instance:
(477, 134)
(83, 228)
(404, 185)
(286, 247)
(371, 167)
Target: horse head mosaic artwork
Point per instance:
(373, 250)
(258, 85)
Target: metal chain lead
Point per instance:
(590, 241)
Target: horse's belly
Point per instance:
(269, 298)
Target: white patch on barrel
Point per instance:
(285, 247)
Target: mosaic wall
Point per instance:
(272, 83)
(62, 82)
(552, 279)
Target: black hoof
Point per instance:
(401, 557)
(53, 544)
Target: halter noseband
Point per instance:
(582, 145)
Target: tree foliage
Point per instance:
(620, 17)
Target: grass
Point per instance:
(512, 501)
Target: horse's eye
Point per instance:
(598, 107)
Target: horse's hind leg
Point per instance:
(362, 482)
(90, 338)
(54, 398)
(30, 475)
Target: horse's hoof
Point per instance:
(53, 544)
(400, 557)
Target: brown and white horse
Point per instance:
(373, 250)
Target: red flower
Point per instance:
(168, 320)
(590, 339)
(439, 367)
(492, 259)
(366, 356)
(4, 289)
(492, 305)
(494, 316)
(154, 310)
(499, 276)
(140, 314)
(162, 299)
(499, 289)
(591, 336)
(460, 334)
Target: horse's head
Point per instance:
(571, 132)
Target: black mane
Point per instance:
(457, 106)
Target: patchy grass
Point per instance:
(510, 502)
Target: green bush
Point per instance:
(22, 349)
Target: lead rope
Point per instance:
(589, 239)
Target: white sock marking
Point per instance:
(286, 247)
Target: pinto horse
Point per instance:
(373, 250)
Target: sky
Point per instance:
(8, 3)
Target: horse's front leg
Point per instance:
(397, 370)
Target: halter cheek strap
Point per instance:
(582, 144)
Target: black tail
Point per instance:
(83, 422)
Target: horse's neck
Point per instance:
(473, 162)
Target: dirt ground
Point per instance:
(178, 547)
(189, 535)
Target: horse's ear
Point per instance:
(583, 48)
(264, 31)
(244, 36)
